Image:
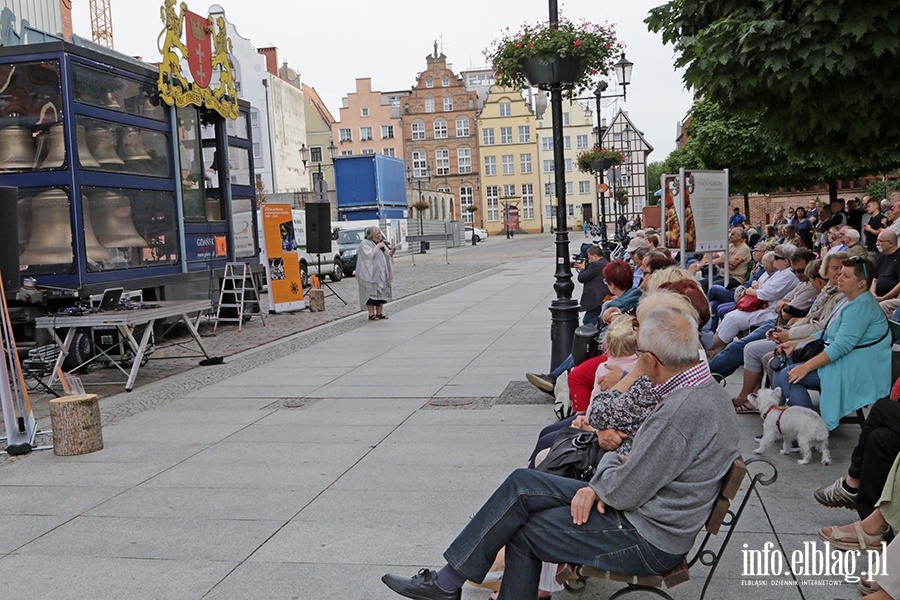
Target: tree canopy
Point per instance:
(822, 76)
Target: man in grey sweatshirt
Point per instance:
(638, 516)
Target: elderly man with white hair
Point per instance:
(637, 516)
(776, 287)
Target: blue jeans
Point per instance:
(728, 360)
(568, 363)
(592, 317)
(530, 514)
(896, 315)
(797, 394)
(717, 295)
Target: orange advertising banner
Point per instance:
(282, 261)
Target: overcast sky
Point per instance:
(332, 43)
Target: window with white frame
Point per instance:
(345, 134)
(568, 165)
(346, 152)
(509, 164)
(509, 190)
(464, 160)
(584, 187)
(448, 102)
(442, 161)
(624, 181)
(567, 142)
(364, 112)
(490, 165)
(548, 166)
(570, 210)
(315, 154)
(462, 126)
(418, 129)
(582, 141)
(365, 134)
(638, 203)
(392, 152)
(525, 163)
(528, 201)
(429, 82)
(524, 134)
(429, 103)
(506, 135)
(368, 151)
(257, 151)
(440, 129)
(565, 119)
(550, 212)
(547, 143)
(420, 163)
(492, 195)
(505, 109)
(466, 198)
(445, 81)
(570, 188)
(487, 136)
(387, 132)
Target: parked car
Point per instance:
(480, 234)
(348, 241)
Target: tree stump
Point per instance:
(316, 300)
(76, 425)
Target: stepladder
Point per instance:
(239, 297)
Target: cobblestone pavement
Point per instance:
(416, 278)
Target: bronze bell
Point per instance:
(85, 158)
(50, 242)
(56, 143)
(16, 148)
(110, 100)
(92, 246)
(112, 220)
(133, 145)
(102, 144)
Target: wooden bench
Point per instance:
(574, 577)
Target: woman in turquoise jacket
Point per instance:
(854, 370)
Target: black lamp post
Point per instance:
(410, 177)
(319, 184)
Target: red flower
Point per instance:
(577, 43)
(531, 45)
(518, 45)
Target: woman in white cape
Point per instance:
(374, 273)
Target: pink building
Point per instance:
(369, 122)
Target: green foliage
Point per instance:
(593, 45)
(596, 154)
(654, 172)
(821, 75)
(882, 189)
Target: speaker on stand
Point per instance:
(9, 239)
(318, 236)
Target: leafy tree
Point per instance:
(822, 76)
(654, 171)
(882, 189)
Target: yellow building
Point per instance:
(509, 167)
(581, 190)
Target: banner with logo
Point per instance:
(672, 211)
(282, 261)
(706, 200)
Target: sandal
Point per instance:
(855, 540)
(868, 586)
(380, 317)
(745, 408)
(373, 317)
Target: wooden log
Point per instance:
(316, 300)
(76, 425)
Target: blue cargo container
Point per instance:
(370, 186)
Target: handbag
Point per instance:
(808, 351)
(751, 303)
(574, 454)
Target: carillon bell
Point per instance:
(102, 144)
(133, 145)
(16, 148)
(85, 158)
(56, 142)
(110, 100)
(92, 246)
(50, 242)
(112, 220)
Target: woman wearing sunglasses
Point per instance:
(854, 369)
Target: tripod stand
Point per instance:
(323, 282)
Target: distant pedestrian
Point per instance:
(374, 273)
(736, 219)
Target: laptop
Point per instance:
(110, 298)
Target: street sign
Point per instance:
(320, 186)
(602, 188)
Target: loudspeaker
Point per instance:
(318, 227)
(9, 238)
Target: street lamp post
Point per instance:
(411, 176)
(319, 184)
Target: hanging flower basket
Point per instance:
(421, 206)
(571, 55)
(596, 160)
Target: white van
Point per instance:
(331, 261)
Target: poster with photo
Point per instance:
(671, 212)
(706, 194)
(282, 262)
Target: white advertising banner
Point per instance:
(706, 200)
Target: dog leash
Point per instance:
(781, 409)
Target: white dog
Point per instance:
(793, 423)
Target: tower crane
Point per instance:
(101, 23)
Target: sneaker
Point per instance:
(542, 382)
(835, 496)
